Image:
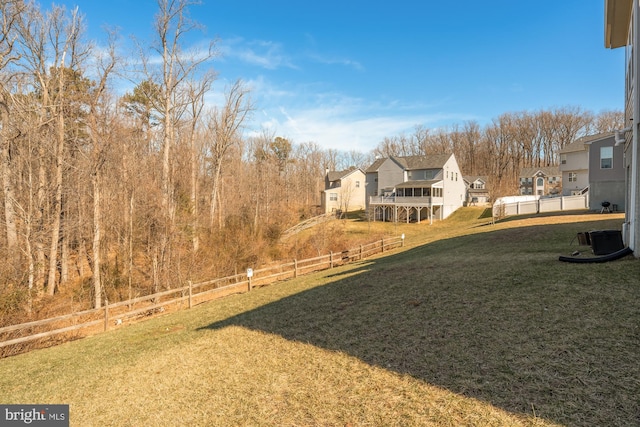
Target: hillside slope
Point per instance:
(472, 324)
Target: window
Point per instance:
(606, 157)
(563, 159)
(540, 182)
(573, 177)
(333, 197)
(357, 184)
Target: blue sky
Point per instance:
(345, 74)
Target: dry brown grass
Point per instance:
(471, 325)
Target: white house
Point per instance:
(574, 166)
(477, 190)
(414, 188)
(343, 191)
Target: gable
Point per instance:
(545, 171)
(437, 161)
(333, 176)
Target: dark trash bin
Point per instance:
(606, 242)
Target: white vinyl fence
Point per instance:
(522, 205)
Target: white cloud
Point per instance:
(332, 60)
(335, 121)
(265, 54)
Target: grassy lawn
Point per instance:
(472, 324)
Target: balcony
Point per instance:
(424, 201)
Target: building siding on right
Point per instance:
(606, 174)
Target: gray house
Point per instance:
(621, 29)
(606, 173)
(594, 164)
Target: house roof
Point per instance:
(421, 184)
(473, 178)
(546, 170)
(375, 165)
(617, 14)
(579, 144)
(338, 175)
(436, 161)
(598, 137)
(574, 147)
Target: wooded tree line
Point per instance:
(152, 187)
(500, 149)
(109, 196)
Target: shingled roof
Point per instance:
(546, 170)
(578, 144)
(375, 165)
(338, 175)
(436, 161)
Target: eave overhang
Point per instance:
(617, 15)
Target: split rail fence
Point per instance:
(47, 332)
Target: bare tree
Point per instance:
(196, 91)
(51, 51)
(10, 15)
(223, 125)
(172, 24)
(100, 120)
(608, 121)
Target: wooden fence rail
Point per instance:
(100, 319)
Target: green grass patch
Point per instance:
(471, 324)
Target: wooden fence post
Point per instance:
(382, 240)
(360, 252)
(106, 314)
(190, 293)
(249, 276)
(330, 259)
